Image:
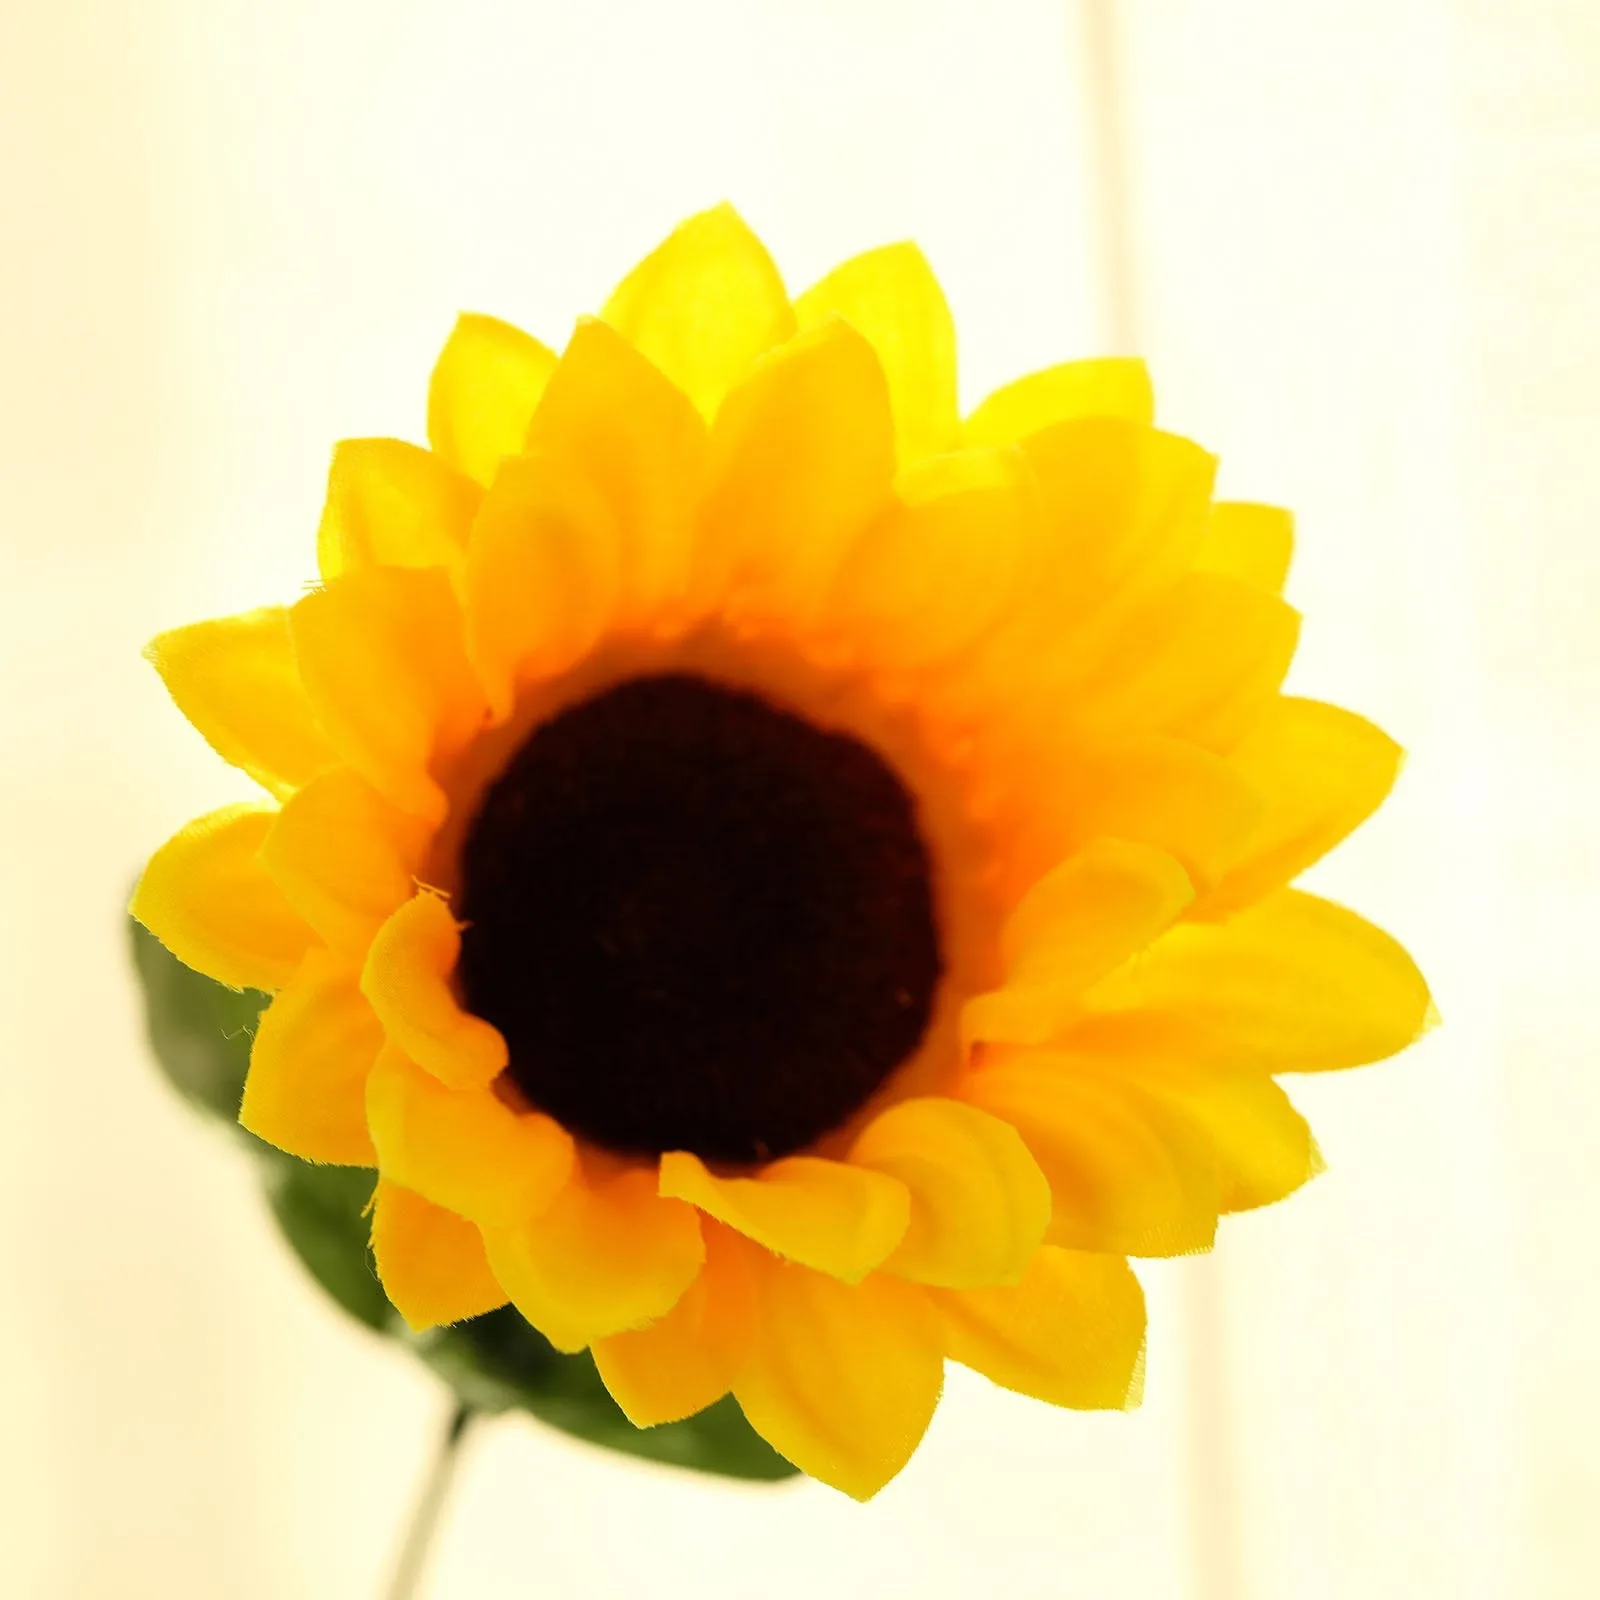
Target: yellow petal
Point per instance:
(1321, 771)
(1126, 1176)
(208, 899)
(235, 679)
(1154, 790)
(382, 657)
(641, 443)
(407, 980)
(690, 1358)
(1249, 542)
(1203, 662)
(961, 471)
(891, 297)
(608, 1255)
(703, 305)
(1092, 911)
(1114, 387)
(392, 505)
(801, 461)
(487, 381)
(543, 575)
(344, 857)
(979, 1203)
(316, 1043)
(1294, 984)
(1124, 507)
(843, 1379)
(430, 1261)
(463, 1149)
(929, 577)
(1263, 1146)
(1072, 1332)
(839, 1219)
(1074, 926)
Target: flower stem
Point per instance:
(425, 1516)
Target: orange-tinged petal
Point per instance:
(840, 1219)
(1078, 923)
(484, 388)
(930, 576)
(431, 1262)
(690, 1358)
(464, 1149)
(703, 305)
(208, 899)
(235, 679)
(381, 653)
(1115, 387)
(1126, 1176)
(344, 857)
(1252, 543)
(391, 504)
(1202, 662)
(316, 1043)
(801, 461)
(1263, 1146)
(610, 412)
(892, 298)
(1294, 984)
(609, 1254)
(1071, 1333)
(1321, 772)
(407, 980)
(979, 1203)
(543, 575)
(843, 1379)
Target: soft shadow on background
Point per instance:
(1360, 246)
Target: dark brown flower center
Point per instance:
(700, 922)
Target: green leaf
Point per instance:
(200, 1031)
(499, 1362)
(322, 1212)
(201, 1035)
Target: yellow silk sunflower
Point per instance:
(785, 883)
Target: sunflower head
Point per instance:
(785, 883)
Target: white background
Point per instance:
(1360, 243)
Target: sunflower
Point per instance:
(786, 884)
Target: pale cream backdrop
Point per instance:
(1360, 243)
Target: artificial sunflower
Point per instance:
(785, 883)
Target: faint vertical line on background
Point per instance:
(1212, 1484)
(1214, 1511)
(1111, 175)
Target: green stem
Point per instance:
(425, 1517)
